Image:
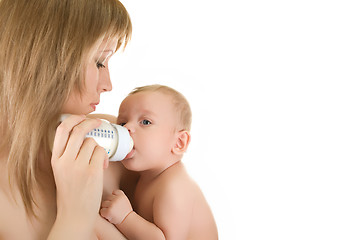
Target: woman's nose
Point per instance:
(105, 84)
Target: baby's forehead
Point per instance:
(147, 100)
(149, 96)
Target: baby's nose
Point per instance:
(129, 127)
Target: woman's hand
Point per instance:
(78, 165)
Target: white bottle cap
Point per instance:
(124, 145)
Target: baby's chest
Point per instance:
(143, 203)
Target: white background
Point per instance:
(273, 87)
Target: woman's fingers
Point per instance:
(98, 158)
(86, 151)
(70, 143)
(62, 134)
(77, 137)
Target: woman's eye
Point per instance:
(100, 65)
(145, 122)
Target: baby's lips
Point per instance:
(130, 154)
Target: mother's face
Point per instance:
(97, 81)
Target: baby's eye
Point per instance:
(100, 65)
(122, 124)
(146, 122)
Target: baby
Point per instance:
(167, 203)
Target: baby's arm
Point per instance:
(173, 209)
(118, 210)
(172, 213)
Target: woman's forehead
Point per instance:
(108, 45)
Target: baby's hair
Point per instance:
(179, 101)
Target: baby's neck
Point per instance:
(152, 174)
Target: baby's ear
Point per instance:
(182, 141)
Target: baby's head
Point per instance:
(180, 103)
(159, 120)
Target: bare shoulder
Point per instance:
(8, 214)
(4, 186)
(6, 205)
(180, 209)
(176, 180)
(2, 201)
(175, 188)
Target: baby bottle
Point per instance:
(115, 139)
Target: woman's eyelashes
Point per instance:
(100, 65)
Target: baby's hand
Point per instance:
(116, 208)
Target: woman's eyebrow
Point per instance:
(106, 51)
(103, 54)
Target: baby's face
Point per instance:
(151, 119)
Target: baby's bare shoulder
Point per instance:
(175, 182)
(180, 207)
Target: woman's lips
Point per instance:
(93, 105)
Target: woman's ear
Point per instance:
(183, 139)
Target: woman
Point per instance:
(53, 60)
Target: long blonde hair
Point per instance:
(45, 45)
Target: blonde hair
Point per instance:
(179, 101)
(45, 45)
